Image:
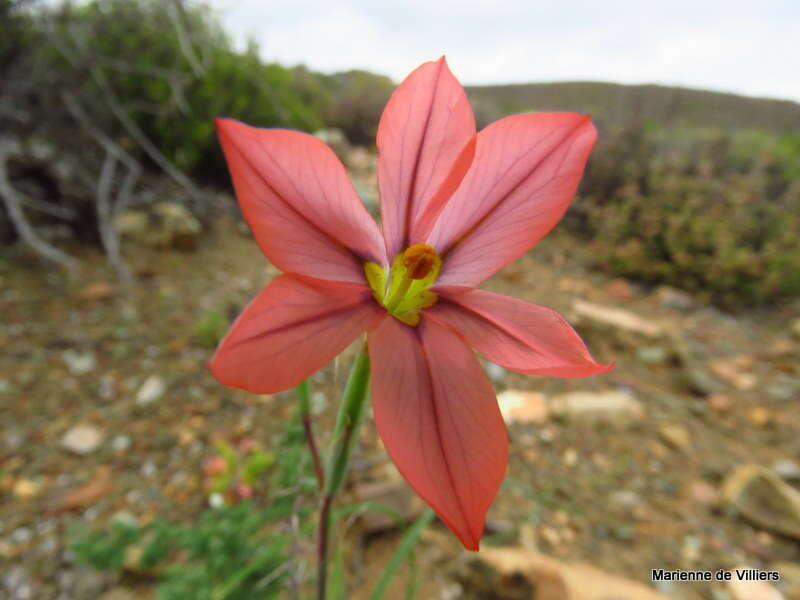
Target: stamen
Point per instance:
(404, 291)
(419, 259)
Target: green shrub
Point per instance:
(172, 75)
(715, 213)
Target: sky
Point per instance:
(747, 47)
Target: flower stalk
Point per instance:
(348, 421)
(303, 390)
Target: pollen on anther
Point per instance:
(419, 259)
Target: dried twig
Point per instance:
(177, 14)
(13, 202)
(106, 209)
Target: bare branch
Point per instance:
(106, 209)
(13, 201)
(105, 220)
(113, 102)
(176, 14)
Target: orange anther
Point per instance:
(419, 259)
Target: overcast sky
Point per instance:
(749, 47)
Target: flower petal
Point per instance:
(299, 203)
(517, 335)
(525, 172)
(294, 327)
(423, 148)
(438, 418)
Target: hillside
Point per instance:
(614, 103)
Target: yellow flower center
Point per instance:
(404, 290)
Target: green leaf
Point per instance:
(405, 546)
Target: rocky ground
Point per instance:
(684, 457)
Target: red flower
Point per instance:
(457, 207)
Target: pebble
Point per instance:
(318, 402)
(25, 489)
(651, 354)
(121, 443)
(79, 363)
(703, 492)
(786, 468)
(676, 436)
(612, 406)
(22, 535)
(670, 297)
(625, 499)
(495, 372)
(82, 439)
(152, 389)
(522, 406)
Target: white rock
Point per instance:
(83, 438)
(79, 363)
(612, 406)
(495, 372)
(121, 443)
(520, 406)
(752, 590)
(617, 317)
(152, 389)
(318, 403)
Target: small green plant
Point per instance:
(210, 328)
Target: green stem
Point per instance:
(303, 390)
(344, 437)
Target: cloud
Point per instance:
(738, 46)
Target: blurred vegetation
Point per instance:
(617, 105)
(713, 212)
(168, 71)
(692, 188)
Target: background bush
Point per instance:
(712, 212)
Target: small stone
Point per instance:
(319, 401)
(520, 406)
(495, 372)
(690, 550)
(703, 493)
(121, 443)
(79, 363)
(617, 317)
(98, 290)
(25, 489)
(651, 354)
(759, 416)
(152, 389)
(22, 535)
(149, 469)
(764, 499)
(787, 469)
(626, 499)
(732, 371)
(611, 407)
(83, 438)
(746, 589)
(719, 402)
(676, 436)
(670, 297)
(620, 290)
(107, 387)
